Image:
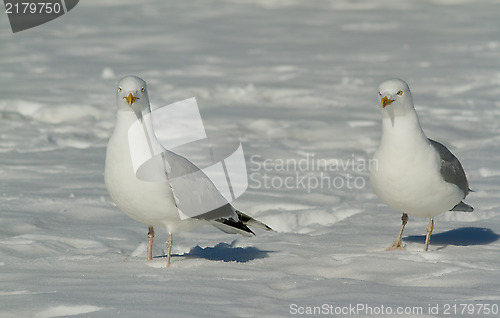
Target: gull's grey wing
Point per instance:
(451, 169)
(196, 195)
(189, 183)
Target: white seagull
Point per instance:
(414, 174)
(154, 203)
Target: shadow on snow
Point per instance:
(459, 237)
(227, 253)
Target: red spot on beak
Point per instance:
(386, 101)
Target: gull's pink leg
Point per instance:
(398, 245)
(151, 235)
(169, 247)
(429, 229)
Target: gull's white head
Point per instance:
(395, 99)
(132, 95)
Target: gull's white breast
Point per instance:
(151, 203)
(406, 176)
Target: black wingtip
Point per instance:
(248, 220)
(237, 225)
(462, 207)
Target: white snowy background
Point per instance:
(294, 80)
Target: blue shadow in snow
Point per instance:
(227, 253)
(459, 237)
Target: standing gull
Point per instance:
(154, 203)
(414, 174)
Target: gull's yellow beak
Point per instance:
(384, 102)
(130, 99)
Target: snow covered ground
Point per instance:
(296, 81)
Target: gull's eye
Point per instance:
(379, 94)
(119, 89)
(400, 93)
(142, 89)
